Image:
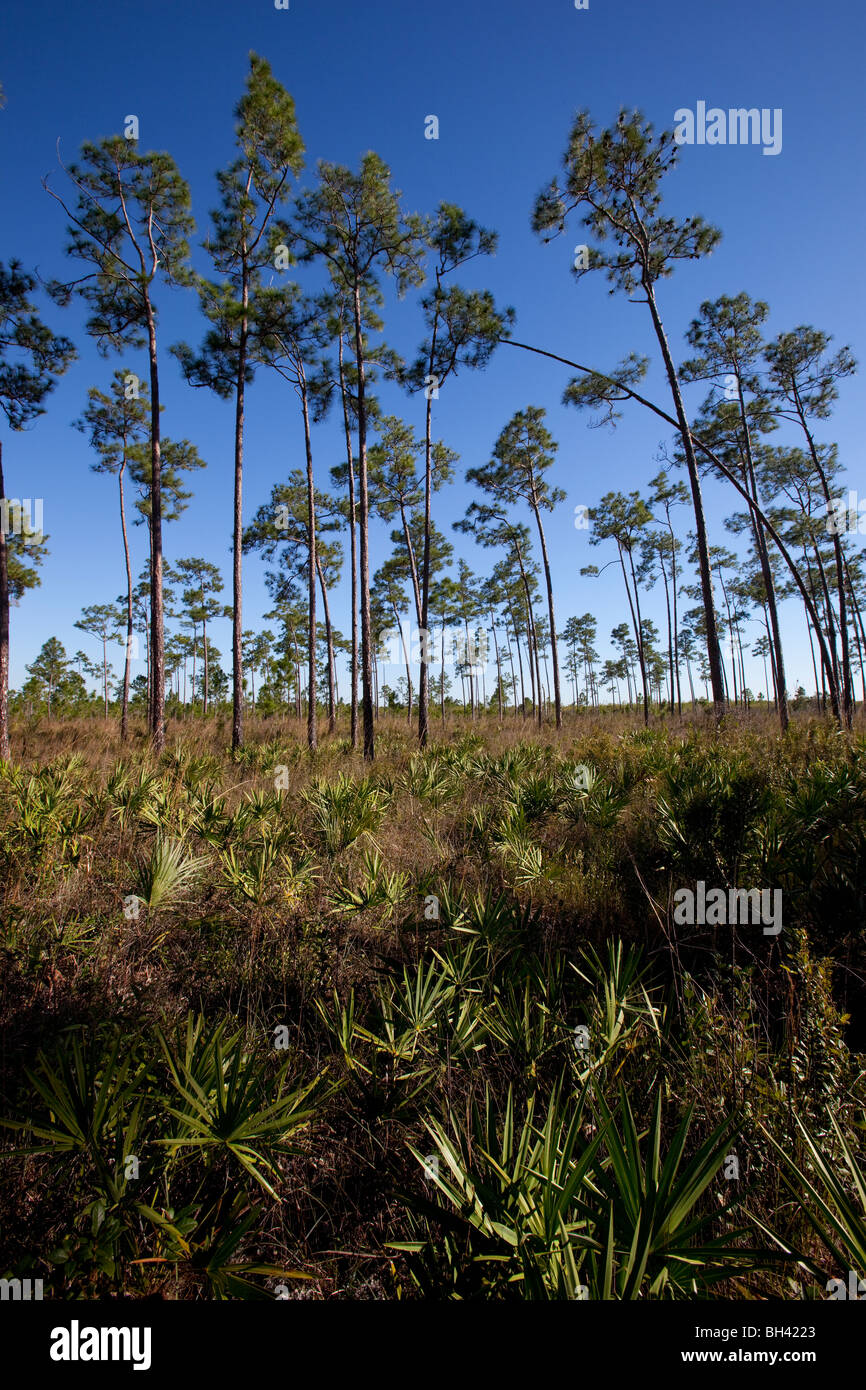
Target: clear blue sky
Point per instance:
(504, 80)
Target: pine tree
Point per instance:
(355, 224)
(613, 178)
(515, 475)
(463, 329)
(117, 421)
(242, 245)
(31, 360)
(105, 622)
(131, 224)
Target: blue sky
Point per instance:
(504, 80)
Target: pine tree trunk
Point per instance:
(532, 641)
(205, 677)
(557, 698)
(766, 570)
(353, 543)
(498, 668)
(124, 709)
(845, 681)
(329, 637)
(676, 619)
(366, 639)
(312, 729)
(670, 636)
(713, 657)
(157, 617)
(423, 683)
(237, 521)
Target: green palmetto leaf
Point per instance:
(223, 1107)
(208, 1250)
(516, 1186)
(91, 1093)
(652, 1203)
(165, 876)
(838, 1213)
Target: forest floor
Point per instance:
(283, 1024)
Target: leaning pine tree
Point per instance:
(613, 178)
(727, 337)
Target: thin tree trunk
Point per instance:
(697, 501)
(469, 670)
(636, 624)
(498, 667)
(237, 524)
(329, 637)
(840, 578)
(366, 639)
(670, 636)
(442, 673)
(766, 570)
(353, 544)
(124, 709)
(423, 683)
(312, 729)
(557, 697)
(205, 678)
(531, 635)
(157, 614)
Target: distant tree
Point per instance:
(389, 592)
(624, 520)
(117, 421)
(282, 527)
(664, 497)
(203, 581)
(515, 475)
(49, 667)
(105, 622)
(396, 489)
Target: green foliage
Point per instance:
(344, 809)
